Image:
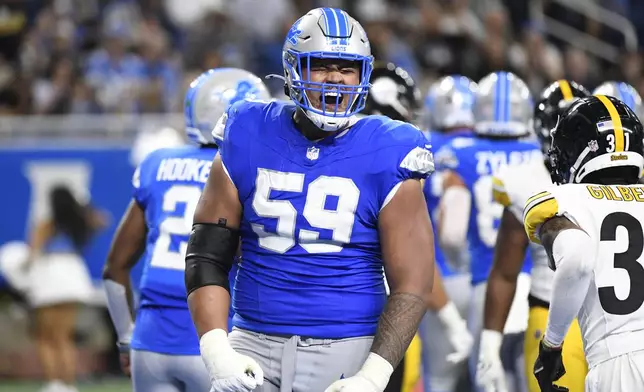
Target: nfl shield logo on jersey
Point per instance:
(312, 153)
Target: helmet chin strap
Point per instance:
(330, 124)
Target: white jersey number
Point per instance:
(627, 260)
(176, 225)
(488, 210)
(340, 220)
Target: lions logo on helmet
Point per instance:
(555, 99)
(503, 106)
(326, 33)
(211, 93)
(597, 136)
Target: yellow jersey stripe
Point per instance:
(536, 215)
(617, 123)
(535, 197)
(499, 194)
(566, 91)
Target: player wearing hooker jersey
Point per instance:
(502, 113)
(512, 187)
(591, 228)
(321, 201)
(167, 185)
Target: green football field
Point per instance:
(108, 386)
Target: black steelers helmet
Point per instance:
(393, 93)
(597, 140)
(554, 100)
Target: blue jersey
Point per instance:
(433, 190)
(167, 186)
(476, 160)
(312, 263)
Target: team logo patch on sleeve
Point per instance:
(446, 158)
(220, 127)
(419, 160)
(136, 178)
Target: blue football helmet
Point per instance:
(210, 94)
(450, 103)
(503, 106)
(624, 92)
(326, 33)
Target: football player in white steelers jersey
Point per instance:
(320, 201)
(591, 228)
(513, 185)
(167, 185)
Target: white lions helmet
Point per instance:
(503, 106)
(211, 93)
(326, 33)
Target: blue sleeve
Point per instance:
(143, 176)
(232, 140)
(410, 157)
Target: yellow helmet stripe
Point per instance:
(617, 123)
(566, 91)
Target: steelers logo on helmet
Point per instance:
(598, 139)
(554, 100)
(327, 65)
(393, 93)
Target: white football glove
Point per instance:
(372, 377)
(457, 333)
(490, 375)
(229, 370)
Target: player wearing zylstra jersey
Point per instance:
(446, 340)
(591, 228)
(513, 185)
(502, 113)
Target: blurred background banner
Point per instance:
(98, 174)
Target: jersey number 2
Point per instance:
(176, 224)
(628, 261)
(339, 221)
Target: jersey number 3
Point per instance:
(628, 260)
(339, 220)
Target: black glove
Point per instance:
(549, 368)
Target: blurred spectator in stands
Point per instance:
(13, 26)
(52, 94)
(115, 74)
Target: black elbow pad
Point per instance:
(210, 255)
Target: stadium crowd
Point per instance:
(137, 56)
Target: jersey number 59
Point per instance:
(340, 221)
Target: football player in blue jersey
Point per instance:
(394, 93)
(502, 114)
(320, 201)
(163, 343)
(449, 109)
